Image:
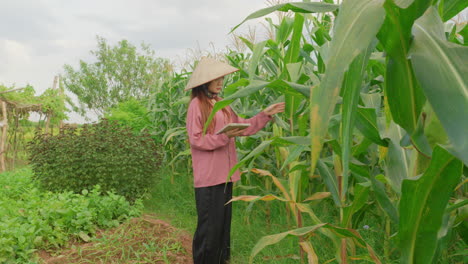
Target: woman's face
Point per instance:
(216, 86)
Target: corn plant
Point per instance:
(376, 92)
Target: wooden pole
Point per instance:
(49, 114)
(15, 141)
(60, 87)
(12, 90)
(47, 123)
(4, 137)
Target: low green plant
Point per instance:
(31, 219)
(131, 113)
(104, 153)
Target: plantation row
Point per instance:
(375, 120)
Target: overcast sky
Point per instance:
(37, 37)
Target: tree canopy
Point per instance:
(119, 73)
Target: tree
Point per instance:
(120, 73)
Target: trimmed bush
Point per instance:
(104, 153)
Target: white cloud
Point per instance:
(38, 37)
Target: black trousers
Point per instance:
(211, 242)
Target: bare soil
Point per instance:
(141, 240)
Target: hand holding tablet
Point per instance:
(232, 126)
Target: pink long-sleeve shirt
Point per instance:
(213, 155)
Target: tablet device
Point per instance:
(232, 126)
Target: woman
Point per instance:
(213, 156)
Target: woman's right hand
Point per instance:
(234, 133)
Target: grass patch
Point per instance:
(140, 240)
(176, 203)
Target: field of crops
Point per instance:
(368, 164)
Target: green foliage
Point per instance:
(32, 219)
(132, 113)
(54, 103)
(25, 95)
(167, 110)
(104, 153)
(119, 73)
(50, 101)
(382, 93)
(422, 207)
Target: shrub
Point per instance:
(104, 153)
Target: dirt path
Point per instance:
(141, 240)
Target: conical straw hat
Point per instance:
(208, 70)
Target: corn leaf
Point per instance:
(383, 199)
(312, 257)
(361, 192)
(405, 97)
(273, 239)
(298, 7)
(330, 181)
(423, 204)
(317, 196)
(366, 122)
(257, 54)
(351, 90)
(253, 198)
(397, 159)
(352, 35)
(452, 7)
(254, 153)
(442, 70)
(253, 87)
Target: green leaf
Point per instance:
(383, 199)
(423, 204)
(182, 101)
(443, 73)
(284, 30)
(330, 181)
(353, 33)
(289, 88)
(253, 87)
(452, 7)
(419, 139)
(367, 124)
(293, 155)
(305, 141)
(464, 34)
(186, 152)
(295, 70)
(361, 192)
(405, 97)
(298, 7)
(292, 54)
(257, 54)
(273, 239)
(299, 232)
(397, 159)
(254, 153)
(351, 90)
(174, 132)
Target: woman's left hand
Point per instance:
(274, 109)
